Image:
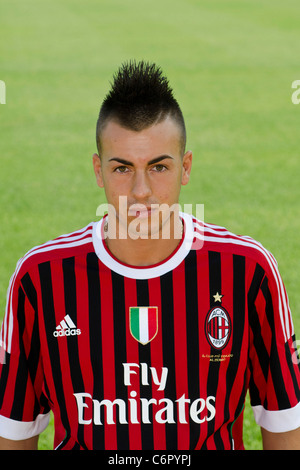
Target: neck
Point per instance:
(146, 252)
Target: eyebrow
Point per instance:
(151, 162)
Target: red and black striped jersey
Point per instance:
(157, 357)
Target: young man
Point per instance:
(140, 340)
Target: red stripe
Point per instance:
(152, 325)
(82, 301)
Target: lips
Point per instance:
(140, 210)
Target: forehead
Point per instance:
(163, 138)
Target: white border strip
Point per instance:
(279, 420)
(19, 430)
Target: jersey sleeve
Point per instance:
(24, 409)
(274, 383)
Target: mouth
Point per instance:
(140, 210)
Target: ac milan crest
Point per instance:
(218, 327)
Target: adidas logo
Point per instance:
(66, 328)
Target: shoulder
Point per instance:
(217, 238)
(67, 245)
(71, 244)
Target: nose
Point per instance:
(141, 188)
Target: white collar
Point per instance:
(144, 272)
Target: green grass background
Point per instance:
(231, 64)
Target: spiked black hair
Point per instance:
(140, 96)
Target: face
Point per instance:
(147, 167)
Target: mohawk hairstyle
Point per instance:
(140, 97)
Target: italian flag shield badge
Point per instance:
(143, 323)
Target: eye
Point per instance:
(121, 169)
(159, 168)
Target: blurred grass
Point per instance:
(231, 64)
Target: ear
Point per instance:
(98, 170)
(186, 167)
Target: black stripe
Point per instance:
(238, 325)
(253, 389)
(191, 299)
(27, 365)
(49, 321)
(274, 361)
(22, 373)
(214, 259)
(45, 400)
(167, 307)
(35, 346)
(289, 360)
(4, 377)
(76, 446)
(95, 339)
(119, 317)
(68, 265)
(239, 409)
(142, 289)
(34, 354)
(213, 373)
(261, 351)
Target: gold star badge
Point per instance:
(218, 297)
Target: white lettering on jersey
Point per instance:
(199, 410)
(144, 374)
